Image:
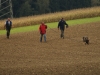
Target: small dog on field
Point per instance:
(86, 40)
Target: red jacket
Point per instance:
(43, 28)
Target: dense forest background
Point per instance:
(23, 8)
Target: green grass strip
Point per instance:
(52, 25)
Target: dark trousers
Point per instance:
(8, 32)
(43, 35)
(62, 33)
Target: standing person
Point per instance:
(61, 25)
(42, 29)
(8, 26)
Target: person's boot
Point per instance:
(61, 36)
(41, 39)
(7, 37)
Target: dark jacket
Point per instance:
(8, 26)
(62, 24)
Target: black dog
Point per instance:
(86, 40)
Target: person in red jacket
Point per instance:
(42, 30)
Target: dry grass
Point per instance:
(52, 17)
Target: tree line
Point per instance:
(34, 7)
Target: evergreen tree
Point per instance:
(64, 5)
(54, 5)
(25, 9)
(43, 6)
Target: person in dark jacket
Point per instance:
(8, 26)
(42, 30)
(61, 25)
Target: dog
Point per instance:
(86, 40)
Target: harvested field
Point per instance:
(23, 54)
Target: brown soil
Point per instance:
(23, 54)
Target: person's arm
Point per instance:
(66, 24)
(11, 24)
(58, 25)
(5, 25)
(46, 26)
(40, 28)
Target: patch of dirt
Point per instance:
(24, 54)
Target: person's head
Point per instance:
(62, 18)
(42, 23)
(8, 19)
